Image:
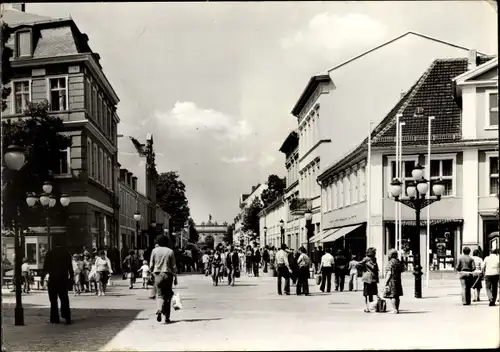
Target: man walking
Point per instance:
(465, 267)
(491, 271)
(283, 268)
(340, 270)
(265, 258)
(233, 265)
(256, 261)
(326, 268)
(304, 262)
(59, 267)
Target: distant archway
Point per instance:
(209, 241)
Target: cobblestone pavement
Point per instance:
(251, 316)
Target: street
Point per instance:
(251, 316)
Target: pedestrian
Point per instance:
(266, 258)
(315, 258)
(233, 264)
(77, 270)
(256, 262)
(353, 274)
(163, 266)
(249, 260)
(103, 272)
(491, 271)
(465, 268)
(319, 255)
(205, 259)
(477, 275)
(292, 260)
(304, 263)
(216, 262)
(84, 277)
(340, 270)
(25, 275)
(326, 269)
(144, 273)
(370, 277)
(130, 267)
(393, 284)
(283, 268)
(59, 268)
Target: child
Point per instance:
(77, 270)
(92, 277)
(145, 274)
(25, 274)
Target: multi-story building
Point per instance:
(241, 237)
(53, 61)
(463, 99)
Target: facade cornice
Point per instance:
(289, 188)
(314, 147)
(272, 206)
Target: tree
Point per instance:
(193, 233)
(171, 196)
(41, 137)
(228, 236)
(275, 189)
(251, 218)
(5, 32)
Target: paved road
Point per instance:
(250, 316)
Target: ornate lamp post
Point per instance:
(265, 235)
(48, 201)
(309, 230)
(416, 200)
(282, 231)
(14, 160)
(137, 218)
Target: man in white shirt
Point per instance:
(326, 268)
(491, 271)
(283, 268)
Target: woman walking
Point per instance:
(103, 272)
(477, 275)
(163, 266)
(370, 270)
(393, 286)
(130, 267)
(216, 263)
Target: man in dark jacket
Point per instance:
(340, 270)
(233, 265)
(58, 265)
(256, 261)
(266, 258)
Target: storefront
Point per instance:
(490, 235)
(445, 242)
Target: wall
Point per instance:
(353, 214)
(401, 63)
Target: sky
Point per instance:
(215, 82)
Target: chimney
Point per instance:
(472, 59)
(134, 183)
(402, 94)
(123, 175)
(129, 179)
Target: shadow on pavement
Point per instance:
(193, 320)
(91, 329)
(244, 285)
(413, 311)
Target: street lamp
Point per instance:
(282, 231)
(48, 201)
(309, 229)
(137, 218)
(14, 160)
(265, 235)
(416, 191)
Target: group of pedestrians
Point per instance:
(472, 270)
(223, 262)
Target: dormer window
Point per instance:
(23, 43)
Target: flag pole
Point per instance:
(428, 241)
(368, 185)
(401, 124)
(396, 226)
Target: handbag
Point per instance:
(236, 273)
(381, 305)
(176, 301)
(318, 279)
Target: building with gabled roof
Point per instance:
(52, 61)
(464, 153)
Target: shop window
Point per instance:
(442, 169)
(31, 253)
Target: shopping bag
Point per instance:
(381, 305)
(110, 283)
(318, 279)
(176, 302)
(236, 273)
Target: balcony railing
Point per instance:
(299, 206)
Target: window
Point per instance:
(340, 186)
(334, 195)
(95, 162)
(354, 187)
(406, 168)
(110, 174)
(62, 166)
(361, 183)
(21, 96)
(88, 96)
(100, 164)
(105, 170)
(24, 43)
(492, 108)
(493, 175)
(442, 169)
(89, 158)
(58, 94)
(347, 190)
(94, 104)
(329, 197)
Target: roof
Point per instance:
(480, 69)
(291, 141)
(15, 18)
(434, 93)
(311, 86)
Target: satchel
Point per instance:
(381, 305)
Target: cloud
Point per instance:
(187, 119)
(266, 160)
(234, 160)
(334, 32)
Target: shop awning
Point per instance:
(424, 222)
(341, 232)
(319, 236)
